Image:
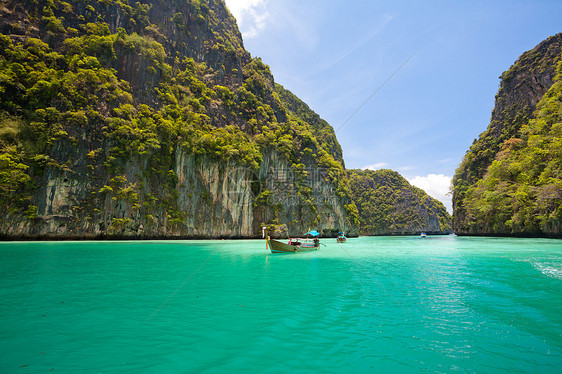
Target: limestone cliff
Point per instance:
(148, 119)
(509, 181)
(389, 205)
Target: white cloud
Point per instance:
(251, 15)
(377, 166)
(436, 186)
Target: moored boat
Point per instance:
(294, 244)
(341, 237)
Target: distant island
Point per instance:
(389, 205)
(149, 119)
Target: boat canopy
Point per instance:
(313, 233)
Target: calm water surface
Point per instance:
(384, 304)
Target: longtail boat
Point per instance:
(294, 244)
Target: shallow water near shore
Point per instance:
(373, 304)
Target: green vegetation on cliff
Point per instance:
(389, 205)
(521, 192)
(510, 180)
(89, 89)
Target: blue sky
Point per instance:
(407, 85)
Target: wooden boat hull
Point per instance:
(276, 246)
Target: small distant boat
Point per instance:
(341, 237)
(423, 235)
(295, 244)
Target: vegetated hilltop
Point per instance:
(146, 119)
(510, 180)
(389, 205)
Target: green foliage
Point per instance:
(118, 225)
(54, 24)
(135, 135)
(96, 41)
(10, 128)
(177, 19)
(222, 144)
(146, 47)
(13, 175)
(257, 78)
(301, 113)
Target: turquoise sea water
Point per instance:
(373, 304)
